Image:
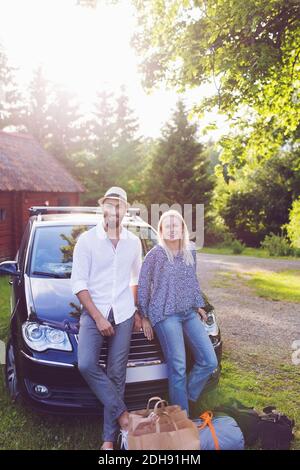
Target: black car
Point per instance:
(41, 353)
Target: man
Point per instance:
(106, 265)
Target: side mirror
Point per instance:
(9, 268)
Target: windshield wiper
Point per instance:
(55, 275)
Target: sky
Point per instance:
(86, 50)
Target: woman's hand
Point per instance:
(202, 314)
(147, 329)
(137, 326)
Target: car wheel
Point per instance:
(11, 372)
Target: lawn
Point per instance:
(283, 285)
(22, 429)
(256, 252)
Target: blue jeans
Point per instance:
(108, 386)
(171, 332)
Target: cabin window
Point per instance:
(63, 201)
(2, 214)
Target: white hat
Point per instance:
(115, 192)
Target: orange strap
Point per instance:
(207, 417)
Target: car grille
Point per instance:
(141, 351)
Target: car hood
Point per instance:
(54, 302)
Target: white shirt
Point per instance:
(107, 272)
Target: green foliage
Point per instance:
(277, 245)
(112, 155)
(257, 202)
(180, 171)
(11, 106)
(67, 250)
(250, 50)
(237, 247)
(283, 285)
(293, 227)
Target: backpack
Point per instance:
(272, 428)
(276, 429)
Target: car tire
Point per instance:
(11, 379)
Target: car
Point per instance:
(41, 367)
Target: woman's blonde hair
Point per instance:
(184, 243)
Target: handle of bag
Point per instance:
(157, 424)
(207, 421)
(153, 399)
(160, 402)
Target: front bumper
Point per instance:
(68, 393)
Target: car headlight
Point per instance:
(211, 324)
(42, 337)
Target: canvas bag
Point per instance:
(172, 431)
(176, 413)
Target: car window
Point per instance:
(146, 234)
(52, 251)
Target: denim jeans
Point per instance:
(108, 386)
(171, 332)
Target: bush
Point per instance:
(217, 234)
(277, 245)
(227, 240)
(293, 227)
(237, 247)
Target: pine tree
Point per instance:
(11, 108)
(36, 120)
(180, 170)
(66, 134)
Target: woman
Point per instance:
(170, 301)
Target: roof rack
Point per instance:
(41, 210)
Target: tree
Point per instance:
(257, 203)
(180, 171)
(65, 129)
(11, 108)
(113, 150)
(249, 50)
(127, 158)
(36, 120)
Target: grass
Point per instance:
(259, 388)
(256, 252)
(22, 429)
(283, 285)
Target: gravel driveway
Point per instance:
(254, 329)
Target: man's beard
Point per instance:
(113, 223)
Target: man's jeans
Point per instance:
(171, 332)
(108, 386)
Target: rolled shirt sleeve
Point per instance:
(81, 266)
(136, 265)
(144, 286)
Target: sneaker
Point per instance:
(124, 439)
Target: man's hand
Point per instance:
(137, 322)
(147, 329)
(105, 327)
(202, 314)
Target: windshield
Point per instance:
(52, 252)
